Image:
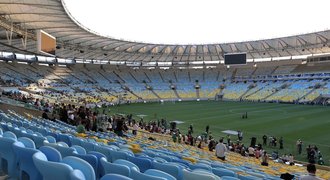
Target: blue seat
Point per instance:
(1, 132)
(91, 159)
(9, 134)
(158, 173)
(242, 177)
(115, 177)
(169, 168)
(63, 144)
(39, 140)
(51, 153)
(51, 139)
(229, 178)
(198, 175)
(259, 175)
(104, 150)
(115, 168)
(65, 138)
(223, 172)
(136, 175)
(76, 141)
(53, 134)
(65, 151)
(200, 166)
(130, 165)
(7, 155)
(29, 143)
(142, 163)
(100, 170)
(118, 155)
(25, 162)
(79, 149)
(54, 170)
(89, 146)
(82, 165)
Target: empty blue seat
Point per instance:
(142, 163)
(9, 134)
(91, 159)
(79, 149)
(136, 175)
(130, 165)
(223, 172)
(200, 166)
(51, 153)
(25, 162)
(51, 139)
(39, 140)
(115, 168)
(7, 155)
(100, 170)
(198, 175)
(229, 178)
(89, 146)
(158, 173)
(55, 170)
(65, 138)
(29, 143)
(169, 168)
(82, 165)
(118, 155)
(115, 177)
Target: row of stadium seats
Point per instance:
(93, 155)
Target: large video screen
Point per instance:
(46, 43)
(235, 59)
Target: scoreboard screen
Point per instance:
(46, 43)
(235, 59)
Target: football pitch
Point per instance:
(309, 123)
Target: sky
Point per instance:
(200, 21)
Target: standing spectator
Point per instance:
(207, 129)
(264, 138)
(281, 143)
(299, 146)
(240, 135)
(228, 139)
(191, 129)
(311, 173)
(220, 150)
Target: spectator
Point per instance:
(264, 138)
(220, 150)
(311, 173)
(264, 159)
(135, 128)
(299, 146)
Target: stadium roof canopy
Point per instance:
(19, 21)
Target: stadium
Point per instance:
(77, 104)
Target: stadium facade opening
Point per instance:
(200, 22)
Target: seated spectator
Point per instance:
(290, 158)
(264, 159)
(251, 151)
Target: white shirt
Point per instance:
(220, 150)
(251, 150)
(135, 127)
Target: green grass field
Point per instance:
(309, 123)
